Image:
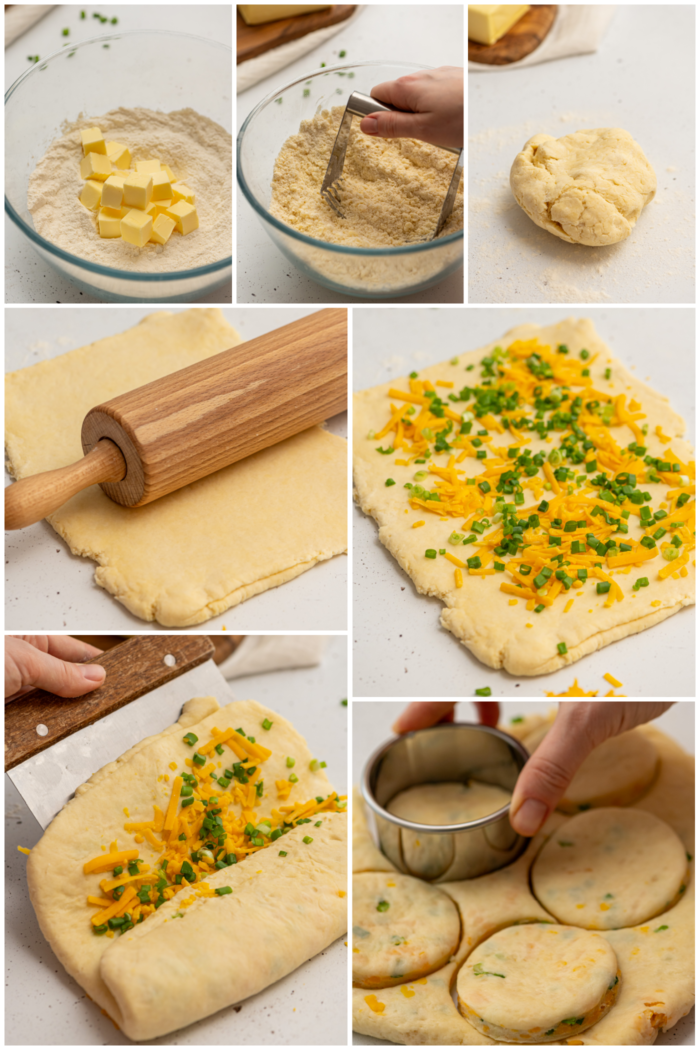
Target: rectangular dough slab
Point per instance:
(199, 551)
(167, 973)
(478, 613)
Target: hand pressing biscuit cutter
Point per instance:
(169, 433)
(360, 105)
(453, 753)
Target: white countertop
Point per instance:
(28, 279)
(407, 653)
(641, 79)
(371, 727)
(48, 588)
(425, 33)
(46, 1007)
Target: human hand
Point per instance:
(577, 730)
(55, 663)
(433, 105)
(429, 713)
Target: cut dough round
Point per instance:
(610, 868)
(538, 982)
(586, 188)
(402, 929)
(433, 856)
(448, 803)
(616, 773)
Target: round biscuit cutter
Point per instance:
(450, 752)
(360, 105)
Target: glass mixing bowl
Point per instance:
(373, 273)
(153, 69)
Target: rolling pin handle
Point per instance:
(31, 499)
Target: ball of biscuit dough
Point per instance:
(586, 188)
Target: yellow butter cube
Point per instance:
(136, 228)
(163, 226)
(168, 172)
(119, 154)
(91, 194)
(182, 193)
(109, 222)
(159, 207)
(113, 192)
(185, 216)
(95, 166)
(93, 141)
(137, 190)
(161, 187)
(147, 167)
(118, 213)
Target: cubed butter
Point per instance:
(95, 166)
(489, 22)
(161, 187)
(136, 228)
(258, 14)
(113, 192)
(119, 154)
(159, 207)
(93, 141)
(137, 190)
(109, 222)
(182, 193)
(168, 172)
(147, 167)
(163, 226)
(91, 194)
(185, 216)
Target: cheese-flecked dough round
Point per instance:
(432, 856)
(586, 188)
(538, 982)
(402, 929)
(616, 773)
(610, 868)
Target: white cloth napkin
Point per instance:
(260, 653)
(578, 29)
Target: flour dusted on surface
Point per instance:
(198, 151)
(392, 189)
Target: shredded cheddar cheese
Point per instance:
(203, 830)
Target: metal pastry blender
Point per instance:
(360, 105)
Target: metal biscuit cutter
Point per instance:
(360, 105)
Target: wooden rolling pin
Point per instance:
(149, 442)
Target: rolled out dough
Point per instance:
(209, 546)
(657, 984)
(182, 964)
(478, 613)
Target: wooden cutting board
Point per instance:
(252, 41)
(525, 37)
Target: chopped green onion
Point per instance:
(307, 839)
(290, 762)
(266, 723)
(486, 691)
(389, 482)
(223, 890)
(190, 739)
(383, 906)
(282, 853)
(293, 778)
(562, 649)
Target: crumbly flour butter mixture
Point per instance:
(392, 189)
(198, 151)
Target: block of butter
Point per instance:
(259, 14)
(489, 22)
(93, 141)
(136, 228)
(181, 192)
(185, 217)
(91, 195)
(95, 166)
(119, 154)
(147, 167)
(137, 190)
(109, 222)
(162, 187)
(113, 192)
(163, 226)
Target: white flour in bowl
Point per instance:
(199, 152)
